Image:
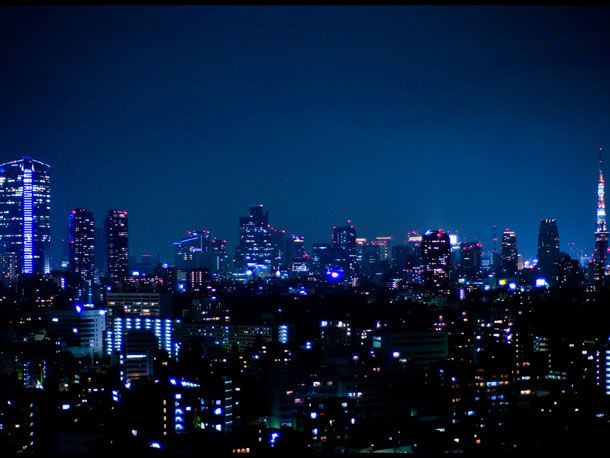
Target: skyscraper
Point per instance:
(255, 251)
(600, 249)
(81, 226)
(117, 254)
(344, 243)
(508, 252)
(470, 259)
(295, 248)
(25, 214)
(385, 247)
(548, 249)
(436, 257)
(200, 250)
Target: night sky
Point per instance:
(396, 117)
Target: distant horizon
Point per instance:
(231, 244)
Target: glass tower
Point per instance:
(25, 214)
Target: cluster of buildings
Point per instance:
(352, 346)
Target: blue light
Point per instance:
(165, 265)
(217, 411)
(313, 415)
(78, 308)
(28, 222)
(154, 445)
(273, 438)
(334, 275)
(249, 272)
(135, 273)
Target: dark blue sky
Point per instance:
(395, 117)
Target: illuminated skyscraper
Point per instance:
(82, 243)
(255, 251)
(117, 253)
(508, 252)
(385, 247)
(436, 257)
(548, 249)
(25, 214)
(200, 250)
(470, 259)
(344, 243)
(600, 250)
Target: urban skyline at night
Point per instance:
(419, 102)
(304, 231)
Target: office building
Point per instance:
(470, 259)
(255, 252)
(199, 250)
(436, 257)
(345, 246)
(508, 253)
(117, 246)
(79, 331)
(25, 214)
(81, 227)
(548, 249)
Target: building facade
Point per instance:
(82, 244)
(548, 249)
(508, 253)
(117, 246)
(25, 214)
(436, 257)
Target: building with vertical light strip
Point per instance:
(25, 214)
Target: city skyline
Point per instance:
(364, 114)
(306, 230)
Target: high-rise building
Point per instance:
(255, 251)
(200, 250)
(509, 253)
(599, 259)
(385, 247)
(80, 331)
(568, 272)
(436, 257)
(344, 242)
(278, 241)
(413, 244)
(25, 214)
(82, 244)
(117, 254)
(548, 249)
(8, 267)
(470, 259)
(295, 248)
